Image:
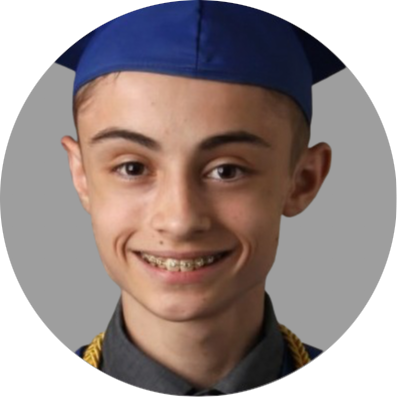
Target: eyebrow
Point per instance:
(210, 143)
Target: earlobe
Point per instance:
(308, 178)
(77, 170)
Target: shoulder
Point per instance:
(312, 351)
(288, 365)
(81, 350)
(96, 346)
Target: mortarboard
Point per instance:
(207, 40)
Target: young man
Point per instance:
(193, 125)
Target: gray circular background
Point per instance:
(329, 260)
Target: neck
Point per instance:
(203, 350)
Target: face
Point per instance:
(184, 169)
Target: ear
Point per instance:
(77, 170)
(307, 179)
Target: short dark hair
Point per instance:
(300, 125)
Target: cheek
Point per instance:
(254, 216)
(255, 222)
(115, 218)
(113, 206)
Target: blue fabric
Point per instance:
(288, 362)
(208, 40)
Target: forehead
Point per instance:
(150, 100)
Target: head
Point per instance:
(167, 165)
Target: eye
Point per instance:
(131, 169)
(227, 172)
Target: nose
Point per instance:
(179, 211)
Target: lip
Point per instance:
(182, 255)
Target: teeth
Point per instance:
(171, 265)
(175, 265)
(188, 265)
(160, 263)
(199, 263)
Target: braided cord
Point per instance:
(93, 353)
(298, 351)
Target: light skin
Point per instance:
(178, 189)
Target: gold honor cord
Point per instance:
(298, 351)
(92, 354)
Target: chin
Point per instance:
(182, 308)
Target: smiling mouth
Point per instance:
(182, 265)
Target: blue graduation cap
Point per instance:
(206, 40)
